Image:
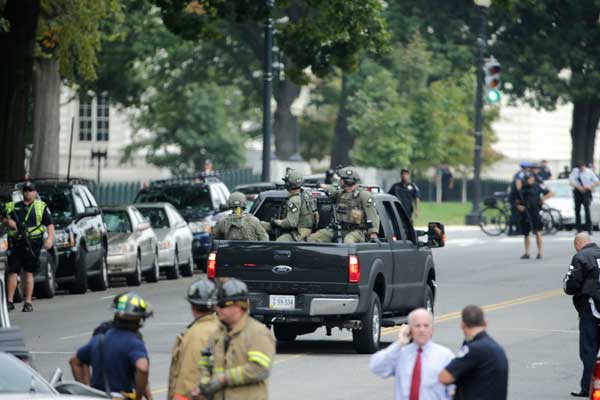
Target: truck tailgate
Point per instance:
(283, 267)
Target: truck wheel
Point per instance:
(100, 282)
(80, 286)
(46, 289)
(366, 339)
(284, 332)
(429, 299)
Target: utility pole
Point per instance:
(267, 91)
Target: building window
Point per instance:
(102, 118)
(94, 118)
(85, 120)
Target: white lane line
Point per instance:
(50, 352)
(107, 297)
(78, 335)
(465, 242)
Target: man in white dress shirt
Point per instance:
(417, 364)
(583, 180)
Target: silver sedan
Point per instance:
(132, 245)
(174, 238)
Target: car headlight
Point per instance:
(65, 240)
(199, 227)
(121, 248)
(165, 244)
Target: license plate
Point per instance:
(282, 302)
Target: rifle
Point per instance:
(22, 230)
(337, 227)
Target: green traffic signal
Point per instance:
(493, 96)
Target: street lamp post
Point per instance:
(267, 92)
(99, 155)
(473, 217)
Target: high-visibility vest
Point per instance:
(34, 232)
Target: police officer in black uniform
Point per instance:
(529, 203)
(407, 192)
(480, 370)
(27, 220)
(581, 282)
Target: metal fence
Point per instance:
(112, 193)
(488, 187)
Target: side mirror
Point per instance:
(56, 377)
(92, 210)
(436, 235)
(143, 226)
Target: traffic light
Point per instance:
(492, 80)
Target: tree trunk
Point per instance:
(46, 116)
(16, 47)
(285, 124)
(342, 140)
(586, 114)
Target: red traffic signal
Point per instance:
(492, 74)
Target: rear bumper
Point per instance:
(306, 305)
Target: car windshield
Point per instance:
(157, 217)
(16, 377)
(117, 221)
(59, 201)
(560, 189)
(182, 197)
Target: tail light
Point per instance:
(595, 384)
(211, 266)
(353, 269)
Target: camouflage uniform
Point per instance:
(299, 218)
(239, 225)
(355, 212)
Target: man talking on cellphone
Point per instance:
(414, 360)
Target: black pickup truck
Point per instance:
(297, 287)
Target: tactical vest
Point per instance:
(34, 232)
(239, 228)
(350, 212)
(309, 215)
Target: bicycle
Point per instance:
(551, 220)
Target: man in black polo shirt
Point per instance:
(407, 192)
(480, 370)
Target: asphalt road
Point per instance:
(526, 311)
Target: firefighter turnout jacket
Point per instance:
(244, 355)
(184, 374)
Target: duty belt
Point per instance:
(352, 227)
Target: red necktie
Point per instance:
(415, 383)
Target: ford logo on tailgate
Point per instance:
(281, 269)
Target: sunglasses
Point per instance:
(28, 190)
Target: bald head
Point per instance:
(581, 240)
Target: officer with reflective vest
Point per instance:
(354, 210)
(184, 374)
(27, 220)
(239, 225)
(238, 360)
(299, 212)
(118, 357)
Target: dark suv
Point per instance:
(199, 200)
(81, 240)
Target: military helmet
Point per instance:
(202, 292)
(349, 175)
(236, 199)
(130, 305)
(232, 291)
(293, 179)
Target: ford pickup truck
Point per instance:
(297, 287)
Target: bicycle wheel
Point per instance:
(547, 219)
(557, 219)
(492, 221)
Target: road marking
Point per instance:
(465, 242)
(490, 307)
(107, 297)
(51, 352)
(78, 335)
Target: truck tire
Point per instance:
(285, 332)
(46, 289)
(80, 285)
(366, 339)
(429, 299)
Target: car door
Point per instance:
(98, 222)
(183, 235)
(147, 238)
(411, 262)
(88, 225)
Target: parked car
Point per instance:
(174, 238)
(563, 202)
(132, 245)
(298, 287)
(19, 381)
(198, 200)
